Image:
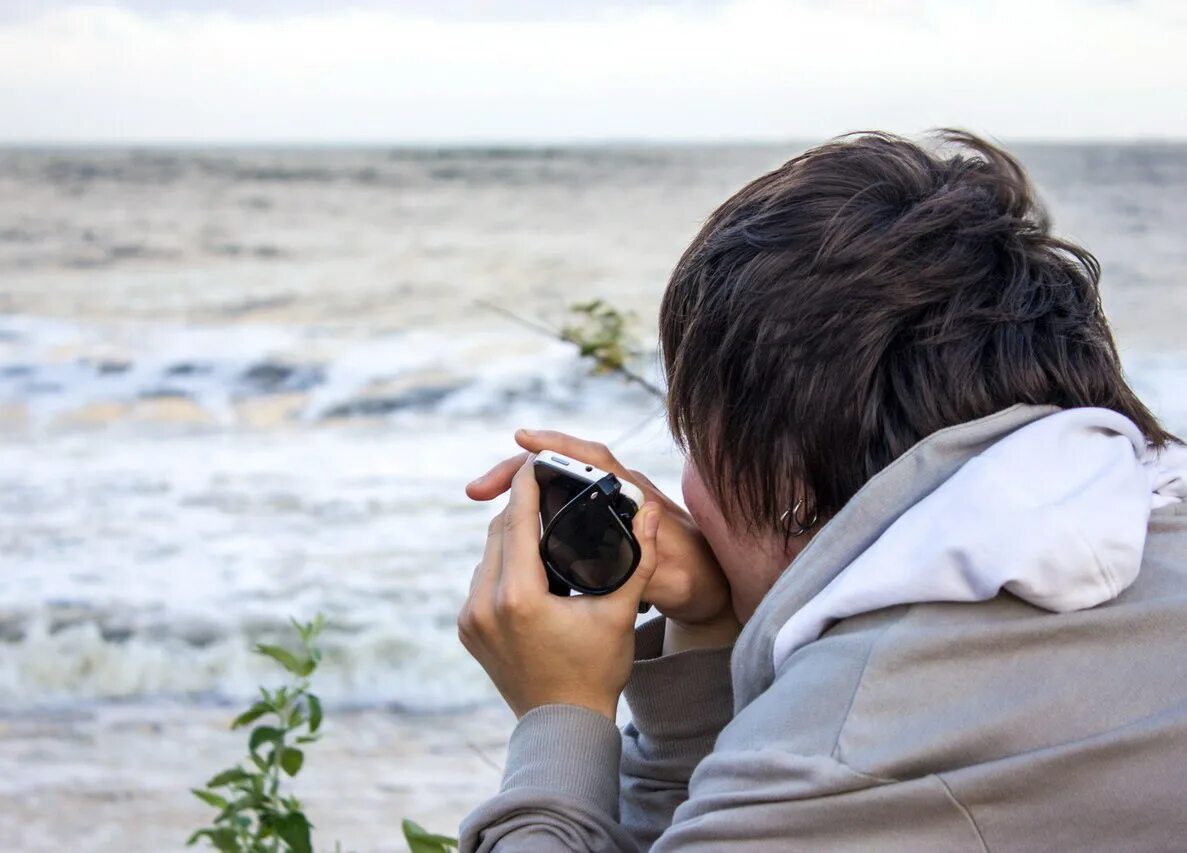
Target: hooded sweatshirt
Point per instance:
(983, 650)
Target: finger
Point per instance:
(523, 570)
(490, 568)
(650, 489)
(495, 481)
(646, 528)
(589, 452)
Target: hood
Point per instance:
(1055, 513)
(880, 504)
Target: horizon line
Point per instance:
(545, 143)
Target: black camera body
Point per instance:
(586, 544)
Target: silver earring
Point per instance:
(802, 527)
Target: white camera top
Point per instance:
(581, 470)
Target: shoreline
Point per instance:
(118, 778)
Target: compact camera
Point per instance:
(587, 544)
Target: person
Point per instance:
(930, 590)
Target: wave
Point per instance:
(66, 654)
(236, 375)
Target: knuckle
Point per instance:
(469, 641)
(474, 622)
(496, 525)
(465, 626)
(513, 606)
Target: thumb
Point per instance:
(646, 528)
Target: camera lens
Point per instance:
(588, 545)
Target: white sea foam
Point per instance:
(147, 559)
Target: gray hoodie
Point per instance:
(997, 695)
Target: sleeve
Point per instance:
(560, 788)
(561, 785)
(679, 704)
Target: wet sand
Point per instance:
(118, 778)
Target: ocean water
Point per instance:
(239, 385)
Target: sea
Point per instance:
(242, 385)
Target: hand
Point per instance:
(688, 585)
(539, 648)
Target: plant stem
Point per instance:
(630, 376)
(530, 324)
(626, 373)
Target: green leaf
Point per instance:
(283, 657)
(293, 828)
(263, 734)
(308, 738)
(420, 840)
(280, 699)
(232, 809)
(252, 714)
(235, 774)
(224, 838)
(311, 629)
(291, 761)
(303, 630)
(210, 798)
(314, 712)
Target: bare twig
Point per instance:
(649, 419)
(603, 364)
(490, 762)
(530, 324)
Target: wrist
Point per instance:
(607, 706)
(683, 637)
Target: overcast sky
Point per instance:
(546, 70)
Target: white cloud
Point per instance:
(736, 70)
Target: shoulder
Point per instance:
(926, 688)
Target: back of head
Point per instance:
(862, 296)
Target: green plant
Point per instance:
(421, 840)
(254, 816)
(600, 332)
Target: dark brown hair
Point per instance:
(862, 296)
